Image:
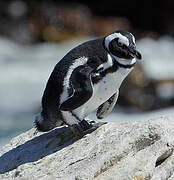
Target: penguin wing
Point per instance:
(82, 89)
(104, 109)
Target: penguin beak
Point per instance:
(134, 53)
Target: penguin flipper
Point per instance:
(105, 108)
(82, 88)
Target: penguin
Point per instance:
(87, 78)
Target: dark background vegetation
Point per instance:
(35, 21)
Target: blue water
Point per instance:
(24, 71)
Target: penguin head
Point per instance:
(121, 44)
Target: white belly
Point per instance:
(102, 91)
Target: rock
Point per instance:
(118, 151)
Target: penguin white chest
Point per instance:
(102, 91)
(107, 87)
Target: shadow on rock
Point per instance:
(39, 147)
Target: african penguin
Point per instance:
(87, 78)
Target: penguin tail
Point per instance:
(41, 125)
(44, 125)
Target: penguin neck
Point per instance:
(125, 63)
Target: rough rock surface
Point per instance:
(114, 151)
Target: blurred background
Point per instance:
(35, 35)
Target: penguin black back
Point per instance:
(54, 88)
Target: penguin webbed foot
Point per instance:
(85, 127)
(77, 130)
(80, 128)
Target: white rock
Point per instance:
(118, 151)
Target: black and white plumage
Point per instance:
(87, 78)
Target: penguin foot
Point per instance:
(80, 128)
(98, 124)
(94, 127)
(90, 121)
(77, 130)
(84, 127)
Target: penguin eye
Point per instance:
(120, 43)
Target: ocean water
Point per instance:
(24, 71)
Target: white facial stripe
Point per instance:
(125, 61)
(122, 39)
(66, 84)
(108, 39)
